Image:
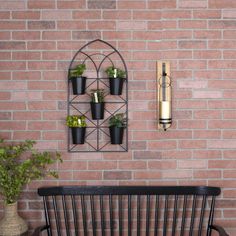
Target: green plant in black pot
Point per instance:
(78, 81)
(20, 164)
(78, 125)
(116, 80)
(117, 124)
(97, 104)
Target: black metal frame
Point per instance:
(138, 210)
(98, 126)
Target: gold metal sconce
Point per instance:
(164, 95)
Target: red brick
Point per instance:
(229, 114)
(192, 144)
(205, 174)
(41, 25)
(206, 134)
(22, 135)
(56, 15)
(221, 144)
(5, 115)
(193, 24)
(131, 4)
(41, 85)
(192, 4)
(26, 15)
(41, 45)
(194, 104)
(207, 154)
(55, 135)
(5, 15)
(147, 175)
(192, 64)
(207, 54)
(221, 124)
(207, 34)
(26, 115)
(147, 155)
(42, 65)
(102, 165)
(162, 165)
(25, 35)
(5, 36)
(196, 84)
(162, 4)
(10, 65)
(222, 104)
(83, 35)
(72, 25)
(91, 14)
(12, 25)
(230, 134)
(9, 5)
(102, 25)
(56, 55)
(221, 44)
(121, 15)
(42, 105)
(228, 14)
(207, 114)
(162, 145)
(207, 94)
(42, 125)
(26, 75)
(229, 34)
(207, 14)
(178, 174)
(5, 95)
(196, 44)
(41, 4)
(192, 164)
(145, 35)
(117, 175)
(26, 55)
(222, 4)
(12, 45)
(12, 125)
(8, 85)
(56, 35)
(101, 4)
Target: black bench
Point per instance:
(129, 210)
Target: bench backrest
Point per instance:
(129, 210)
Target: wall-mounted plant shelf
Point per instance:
(97, 56)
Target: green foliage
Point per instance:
(118, 120)
(78, 70)
(16, 172)
(76, 121)
(97, 95)
(114, 72)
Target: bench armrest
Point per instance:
(39, 229)
(219, 229)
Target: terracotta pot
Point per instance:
(12, 224)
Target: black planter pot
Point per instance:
(78, 135)
(116, 134)
(78, 85)
(97, 110)
(116, 86)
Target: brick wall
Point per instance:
(39, 38)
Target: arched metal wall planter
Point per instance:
(98, 128)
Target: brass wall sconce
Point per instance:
(164, 95)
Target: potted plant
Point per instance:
(17, 171)
(78, 125)
(117, 124)
(97, 104)
(78, 81)
(116, 80)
